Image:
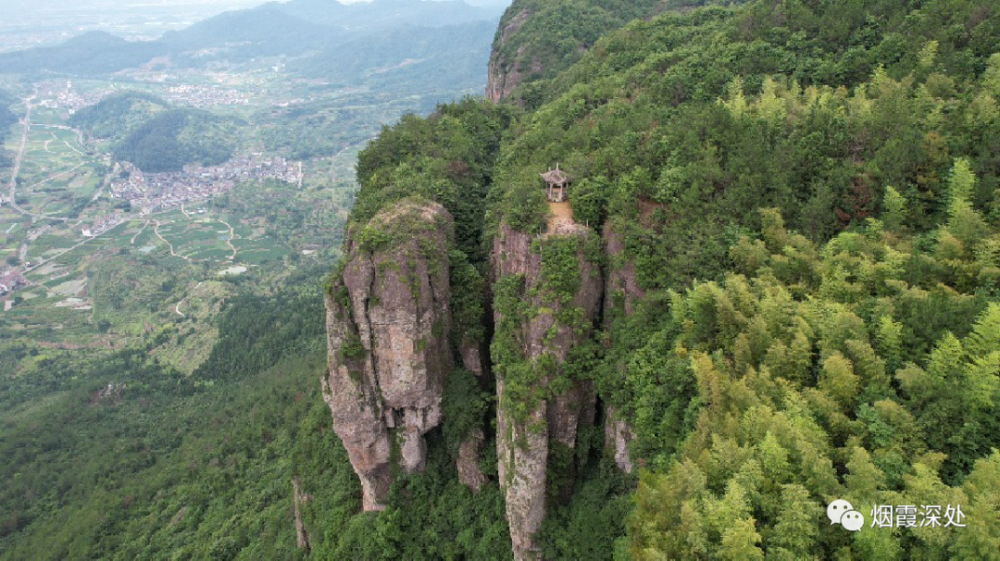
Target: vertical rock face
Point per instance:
(622, 288)
(617, 437)
(299, 498)
(469, 454)
(523, 451)
(620, 295)
(471, 450)
(504, 75)
(557, 408)
(388, 325)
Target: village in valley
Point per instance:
(151, 192)
(68, 206)
(102, 249)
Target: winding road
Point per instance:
(156, 230)
(229, 242)
(177, 308)
(20, 153)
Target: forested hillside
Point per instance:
(157, 137)
(794, 211)
(120, 457)
(775, 285)
(171, 139)
(117, 115)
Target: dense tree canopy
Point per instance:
(174, 138)
(807, 194)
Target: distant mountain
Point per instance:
(379, 14)
(263, 31)
(94, 52)
(455, 55)
(291, 28)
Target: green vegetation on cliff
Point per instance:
(545, 38)
(806, 199)
(447, 157)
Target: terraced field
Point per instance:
(101, 274)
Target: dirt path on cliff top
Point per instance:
(562, 213)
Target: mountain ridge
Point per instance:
(733, 173)
(271, 29)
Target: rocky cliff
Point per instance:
(388, 325)
(390, 319)
(537, 39)
(548, 296)
(504, 73)
(621, 293)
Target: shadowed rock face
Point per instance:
(524, 445)
(471, 450)
(618, 435)
(469, 455)
(622, 288)
(504, 75)
(388, 325)
(620, 295)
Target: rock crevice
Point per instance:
(621, 294)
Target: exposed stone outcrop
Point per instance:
(622, 289)
(388, 325)
(617, 437)
(471, 450)
(504, 75)
(299, 498)
(620, 295)
(469, 454)
(523, 450)
(556, 413)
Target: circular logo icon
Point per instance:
(836, 509)
(852, 520)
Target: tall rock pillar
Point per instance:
(388, 326)
(547, 296)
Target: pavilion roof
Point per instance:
(555, 176)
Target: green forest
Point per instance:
(173, 138)
(804, 199)
(148, 132)
(117, 115)
(808, 195)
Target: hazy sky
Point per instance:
(12, 8)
